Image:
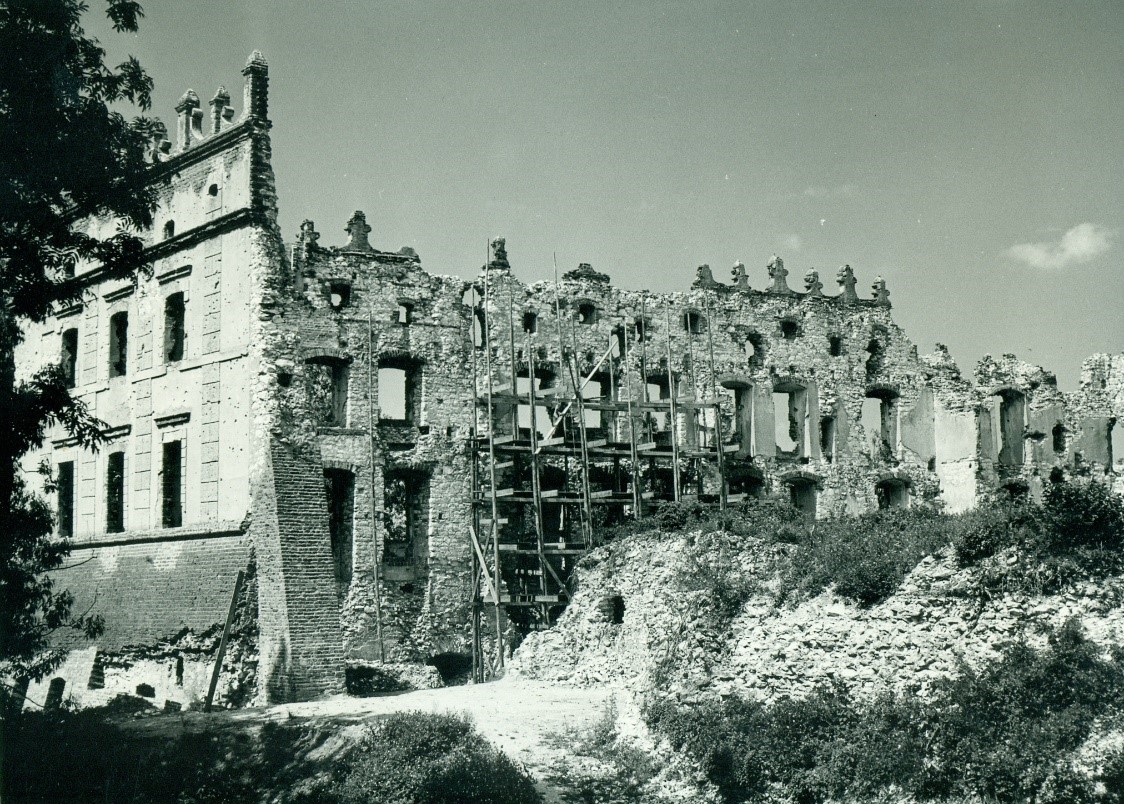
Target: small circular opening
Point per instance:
(213, 190)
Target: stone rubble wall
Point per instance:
(922, 633)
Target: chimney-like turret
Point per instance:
(220, 109)
(255, 92)
(186, 129)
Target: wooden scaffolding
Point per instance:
(561, 454)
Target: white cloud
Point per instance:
(793, 243)
(1079, 245)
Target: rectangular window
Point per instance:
(118, 344)
(171, 477)
(64, 485)
(115, 493)
(175, 329)
(340, 487)
(70, 357)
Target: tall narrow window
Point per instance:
(175, 330)
(802, 493)
(327, 384)
(64, 487)
(827, 438)
(399, 384)
(1012, 427)
(530, 322)
(406, 512)
(339, 484)
(115, 493)
(70, 357)
(405, 313)
(118, 344)
(171, 478)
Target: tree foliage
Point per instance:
(69, 155)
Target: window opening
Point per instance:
(1116, 444)
(339, 295)
(175, 329)
(339, 485)
(640, 327)
(892, 494)
(64, 488)
(880, 423)
(693, 322)
(69, 358)
(596, 390)
(118, 344)
(835, 345)
(789, 329)
(169, 229)
(405, 313)
(530, 322)
(399, 384)
(54, 694)
(213, 190)
(743, 419)
(827, 438)
(1012, 427)
(179, 671)
(406, 512)
(1058, 437)
(587, 313)
(115, 492)
(802, 495)
(874, 358)
(658, 390)
(171, 477)
(523, 385)
(789, 413)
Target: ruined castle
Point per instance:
(404, 466)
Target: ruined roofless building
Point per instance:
(399, 461)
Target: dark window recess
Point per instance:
(611, 609)
(146, 691)
(827, 438)
(587, 313)
(115, 492)
(640, 327)
(179, 671)
(530, 322)
(406, 512)
(835, 346)
(875, 355)
(339, 485)
(1012, 427)
(175, 327)
(171, 476)
(892, 494)
(70, 357)
(339, 295)
(169, 229)
(802, 493)
(789, 330)
(213, 190)
(405, 313)
(118, 344)
(96, 680)
(64, 485)
(54, 694)
(1058, 437)
(693, 322)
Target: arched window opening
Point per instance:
(530, 322)
(694, 322)
(1057, 436)
(405, 314)
(169, 229)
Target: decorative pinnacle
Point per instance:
(779, 274)
(256, 59)
(741, 281)
(358, 229)
(189, 100)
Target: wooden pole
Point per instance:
(222, 642)
(721, 446)
(674, 423)
(487, 326)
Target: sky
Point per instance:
(971, 152)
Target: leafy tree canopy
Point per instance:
(68, 155)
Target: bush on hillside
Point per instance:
(418, 758)
(1004, 733)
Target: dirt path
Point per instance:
(518, 715)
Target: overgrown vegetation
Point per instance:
(1005, 733)
(1077, 532)
(415, 758)
(608, 769)
(408, 758)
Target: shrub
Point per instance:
(713, 566)
(1082, 515)
(866, 557)
(1004, 733)
(417, 758)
